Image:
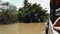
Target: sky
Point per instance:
(19, 3)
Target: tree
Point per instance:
(8, 13)
(32, 12)
(23, 12)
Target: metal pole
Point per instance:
(52, 10)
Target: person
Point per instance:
(56, 25)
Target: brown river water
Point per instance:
(23, 28)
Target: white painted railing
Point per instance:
(51, 30)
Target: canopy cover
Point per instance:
(57, 2)
(54, 4)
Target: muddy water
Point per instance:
(22, 28)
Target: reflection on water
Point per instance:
(22, 28)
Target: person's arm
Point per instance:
(57, 22)
(56, 25)
(57, 29)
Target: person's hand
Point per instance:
(57, 29)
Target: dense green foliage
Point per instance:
(28, 13)
(7, 13)
(32, 13)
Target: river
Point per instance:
(23, 28)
